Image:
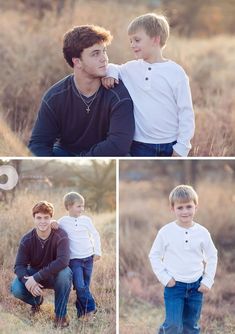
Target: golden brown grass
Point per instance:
(143, 210)
(10, 144)
(15, 221)
(31, 61)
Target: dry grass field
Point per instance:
(144, 209)
(31, 61)
(14, 315)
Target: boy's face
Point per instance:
(184, 212)
(93, 61)
(42, 222)
(76, 209)
(144, 46)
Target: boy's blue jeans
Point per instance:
(183, 303)
(139, 149)
(82, 271)
(61, 283)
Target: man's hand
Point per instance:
(203, 288)
(174, 154)
(171, 283)
(54, 224)
(109, 82)
(96, 258)
(32, 286)
(37, 290)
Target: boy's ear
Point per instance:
(157, 40)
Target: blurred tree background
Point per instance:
(94, 179)
(188, 17)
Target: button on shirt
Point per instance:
(179, 253)
(84, 239)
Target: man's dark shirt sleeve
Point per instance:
(61, 261)
(22, 261)
(120, 134)
(45, 131)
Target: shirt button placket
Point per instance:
(147, 78)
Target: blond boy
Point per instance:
(159, 88)
(184, 259)
(85, 248)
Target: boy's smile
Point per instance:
(184, 213)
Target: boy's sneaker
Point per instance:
(61, 322)
(36, 308)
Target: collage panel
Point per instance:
(167, 257)
(79, 78)
(58, 246)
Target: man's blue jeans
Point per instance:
(183, 303)
(61, 283)
(139, 149)
(82, 271)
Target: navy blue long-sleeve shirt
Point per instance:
(107, 130)
(49, 260)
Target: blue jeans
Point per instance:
(139, 149)
(61, 283)
(183, 304)
(82, 271)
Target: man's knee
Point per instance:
(17, 288)
(64, 276)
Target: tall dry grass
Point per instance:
(15, 221)
(31, 61)
(144, 209)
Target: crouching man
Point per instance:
(42, 263)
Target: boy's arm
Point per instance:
(211, 262)
(112, 76)
(96, 236)
(156, 255)
(114, 71)
(185, 117)
(45, 131)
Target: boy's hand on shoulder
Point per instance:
(96, 258)
(171, 283)
(203, 288)
(54, 224)
(109, 82)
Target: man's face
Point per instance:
(184, 212)
(42, 222)
(93, 61)
(143, 45)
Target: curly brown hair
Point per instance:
(82, 37)
(43, 207)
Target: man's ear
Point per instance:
(76, 62)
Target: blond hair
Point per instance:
(153, 24)
(182, 194)
(71, 198)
